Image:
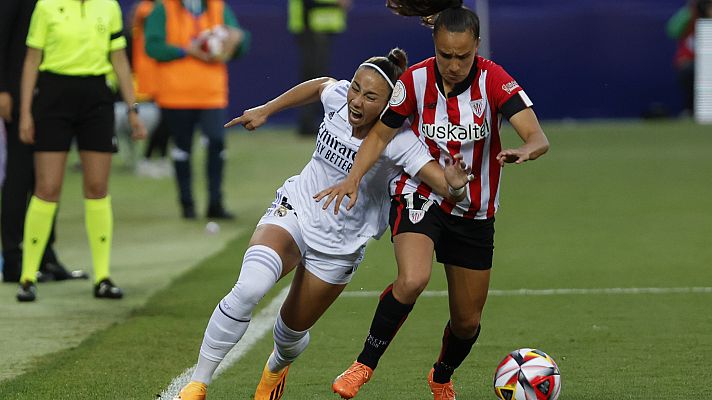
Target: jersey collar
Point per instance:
(460, 87)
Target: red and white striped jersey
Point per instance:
(465, 121)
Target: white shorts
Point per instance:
(336, 269)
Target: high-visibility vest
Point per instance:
(145, 68)
(188, 82)
(322, 16)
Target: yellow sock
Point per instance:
(38, 224)
(99, 223)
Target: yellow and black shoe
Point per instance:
(193, 391)
(271, 386)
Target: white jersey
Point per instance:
(332, 160)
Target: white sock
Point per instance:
(288, 345)
(261, 267)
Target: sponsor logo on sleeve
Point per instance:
(509, 87)
(398, 96)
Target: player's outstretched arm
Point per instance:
(377, 139)
(449, 182)
(535, 142)
(304, 93)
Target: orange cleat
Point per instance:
(271, 386)
(440, 391)
(193, 391)
(350, 381)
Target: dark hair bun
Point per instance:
(399, 58)
(425, 9)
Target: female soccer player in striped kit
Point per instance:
(295, 233)
(455, 100)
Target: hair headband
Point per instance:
(380, 71)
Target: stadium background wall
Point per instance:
(575, 58)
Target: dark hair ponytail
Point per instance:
(425, 9)
(393, 65)
(448, 14)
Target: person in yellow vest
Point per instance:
(72, 46)
(192, 40)
(314, 23)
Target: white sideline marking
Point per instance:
(259, 326)
(551, 292)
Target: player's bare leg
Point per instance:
(467, 294)
(96, 167)
(49, 173)
(414, 255)
(309, 297)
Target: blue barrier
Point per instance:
(575, 58)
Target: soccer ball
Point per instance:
(212, 41)
(527, 374)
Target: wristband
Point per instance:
(133, 108)
(455, 192)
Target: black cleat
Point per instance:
(219, 212)
(57, 272)
(27, 292)
(107, 290)
(188, 211)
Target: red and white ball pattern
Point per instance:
(527, 374)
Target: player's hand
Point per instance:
(27, 128)
(347, 188)
(509, 156)
(138, 129)
(457, 172)
(234, 39)
(251, 119)
(6, 106)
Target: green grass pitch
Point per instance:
(613, 205)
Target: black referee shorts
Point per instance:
(68, 107)
(467, 243)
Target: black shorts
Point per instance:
(68, 107)
(467, 243)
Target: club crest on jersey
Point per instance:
(416, 216)
(281, 211)
(398, 96)
(478, 107)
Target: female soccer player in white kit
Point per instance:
(295, 232)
